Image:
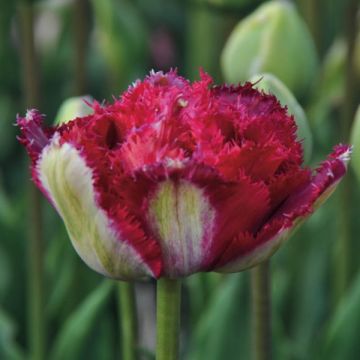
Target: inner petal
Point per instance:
(182, 218)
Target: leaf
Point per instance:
(146, 354)
(62, 277)
(342, 336)
(9, 349)
(7, 213)
(222, 331)
(74, 333)
(5, 273)
(200, 287)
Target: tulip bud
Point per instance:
(355, 140)
(72, 108)
(272, 39)
(272, 85)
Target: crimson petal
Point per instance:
(246, 251)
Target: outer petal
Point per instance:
(289, 216)
(183, 219)
(69, 181)
(259, 253)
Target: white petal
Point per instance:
(68, 180)
(183, 219)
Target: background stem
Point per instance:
(207, 31)
(312, 15)
(342, 251)
(261, 312)
(128, 320)
(80, 30)
(168, 319)
(35, 251)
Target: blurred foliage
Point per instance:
(121, 38)
(126, 39)
(355, 140)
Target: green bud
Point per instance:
(355, 141)
(73, 107)
(330, 88)
(272, 39)
(328, 92)
(332, 81)
(272, 85)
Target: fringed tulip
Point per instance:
(176, 178)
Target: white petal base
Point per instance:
(183, 219)
(69, 181)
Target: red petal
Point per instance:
(326, 178)
(34, 136)
(259, 163)
(131, 230)
(240, 208)
(297, 206)
(286, 183)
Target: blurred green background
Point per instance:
(99, 47)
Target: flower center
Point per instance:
(113, 138)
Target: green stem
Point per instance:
(168, 319)
(128, 320)
(350, 99)
(261, 312)
(342, 251)
(312, 14)
(30, 79)
(207, 31)
(35, 251)
(80, 26)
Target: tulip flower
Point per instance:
(176, 178)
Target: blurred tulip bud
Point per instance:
(355, 141)
(72, 108)
(330, 88)
(272, 39)
(332, 81)
(272, 85)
